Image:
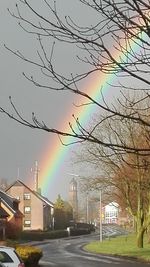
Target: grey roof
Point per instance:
(8, 200)
(46, 200)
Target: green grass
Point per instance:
(121, 246)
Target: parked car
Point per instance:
(9, 257)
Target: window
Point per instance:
(27, 196)
(52, 211)
(27, 209)
(73, 188)
(27, 223)
(4, 257)
(111, 214)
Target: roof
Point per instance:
(38, 195)
(9, 202)
(46, 200)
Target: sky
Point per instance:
(20, 147)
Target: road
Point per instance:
(68, 252)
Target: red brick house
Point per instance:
(37, 210)
(10, 214)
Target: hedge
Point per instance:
(40, 235)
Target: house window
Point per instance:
(27, 223)
(52, 211)
(111, 214)
(27, 196)
(27, 209)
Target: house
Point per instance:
(10, 206)
(110, 213)
(9, 213)
(37, 210)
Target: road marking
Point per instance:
(47, 263)
(99, 259)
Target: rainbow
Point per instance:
(54, 156)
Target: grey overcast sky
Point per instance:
(20, 147)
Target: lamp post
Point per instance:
(87, 208)
(100, 216)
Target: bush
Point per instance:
(29, 255)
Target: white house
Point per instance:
(110, 213)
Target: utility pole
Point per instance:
(18, 173)
(36, 178)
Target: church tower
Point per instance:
(73, 198)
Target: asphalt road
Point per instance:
(68, 252)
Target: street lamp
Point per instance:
(87, 207)
(100, 216)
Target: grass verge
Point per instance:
(121, 246)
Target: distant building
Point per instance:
(37, 210)
(110, 213)
(73, 198)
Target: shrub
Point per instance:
(30, 255)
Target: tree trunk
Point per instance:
(140, 238)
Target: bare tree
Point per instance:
(125, 175)
(120, 25)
